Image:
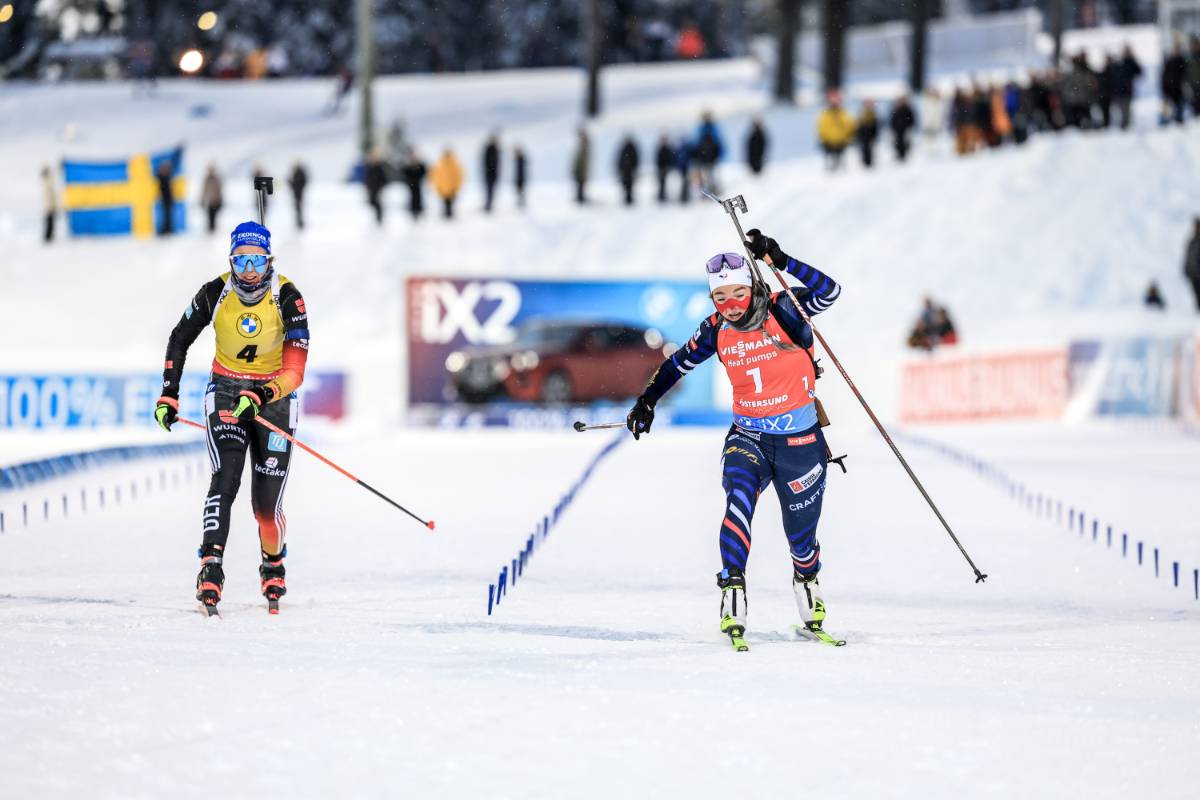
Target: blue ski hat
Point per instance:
(250, 233)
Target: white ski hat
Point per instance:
(728, 269)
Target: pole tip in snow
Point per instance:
(429, 524)
(579, 426)
(980, 577)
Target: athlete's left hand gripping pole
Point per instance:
(737, 203)
(427, 523)
(263, 186)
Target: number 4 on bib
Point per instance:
(248, 353)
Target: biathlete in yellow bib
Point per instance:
(766, 347)
(261, 327)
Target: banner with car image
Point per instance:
(539, 352)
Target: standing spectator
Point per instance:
(1193, 75)
(298, 181)
(1125, 72)
(491, 170)
(835, 130)
(447, 178)
(683, 162)
(627, 166)
(1002, 127)
(211, 198)
(397, 146)
(981, 116)
(866, 131)
(1191, 261)
(345, 82)
(520, 174)
(709, 150)
(756, 146)
(902, 121)
(664, 160)
(1017, 104)
(1079, 89)
(49, 203)
(413, 175)
(1104, 96)
(933, 114)
(581, 165)
(375, 178)
(1174, 73)
(166, 221)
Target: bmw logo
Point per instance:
(249, 325)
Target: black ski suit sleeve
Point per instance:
(196, 318)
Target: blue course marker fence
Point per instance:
(1042, 505)
(31, 473)
(509, 573)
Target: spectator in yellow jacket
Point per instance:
(835, 130)
(447, 178)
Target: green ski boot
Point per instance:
(733, 607)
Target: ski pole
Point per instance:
(428, 524)
(738, 203)
(580, 426)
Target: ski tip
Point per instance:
(579, 426)
(430, 525)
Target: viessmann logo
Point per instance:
(743, 347)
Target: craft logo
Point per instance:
(249, 325)
(277, 443)
(808, 479)
(796, 441)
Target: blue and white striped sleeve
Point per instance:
(696, 351)
(823, 290)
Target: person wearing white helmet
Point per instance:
(766, 348)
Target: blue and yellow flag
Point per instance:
(123, 197)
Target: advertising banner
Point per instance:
(1007, 386)
(544, 353)
(55, 402)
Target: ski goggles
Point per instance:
(724, 261)
(255, 262)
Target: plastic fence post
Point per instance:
(501, 584)
(1095, 529)
(1156, 562)
(1, 522)
(64, 503)
(24, 515)
(1139, 554)
(1058, 513)
(1175, 572)
(491, 595)
(1196, 583)
(1110, 535)
(45, 509)
(1124, 544)
(514, 573)
(1071, 520)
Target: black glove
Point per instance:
(641, 417)
(762, 246)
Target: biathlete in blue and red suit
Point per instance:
(766, 348)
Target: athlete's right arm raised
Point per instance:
(195, 318)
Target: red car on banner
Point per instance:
(555, 361)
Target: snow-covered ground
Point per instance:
(1071, 672)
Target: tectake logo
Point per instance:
(249, 325)
(272, 462)
(806, 480)
(797, 441)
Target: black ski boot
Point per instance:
(733, 607)
(271, 572)
(211, 578)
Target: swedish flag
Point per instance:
(123, 197)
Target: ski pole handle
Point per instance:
(581, 427)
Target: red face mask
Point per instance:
(732, 304)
